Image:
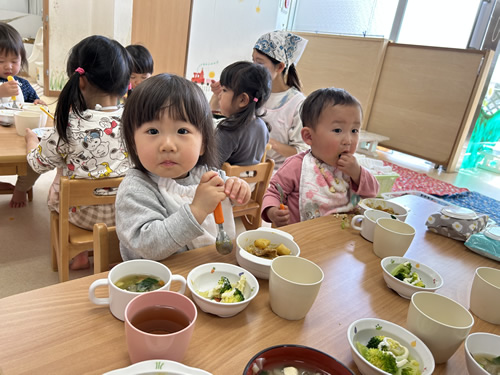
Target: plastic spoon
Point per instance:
(10, 78)
(223, 243)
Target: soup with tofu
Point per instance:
(140, 283)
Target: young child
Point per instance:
(243, 135)
(164, 205)
(12, 59)
(142, 64)
(279, 51)
(323, 180)
(86, 141)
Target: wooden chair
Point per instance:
(106, 248)
(68, 240)
(262, 172)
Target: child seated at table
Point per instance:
(12, 59)
(165, 203)
(323, 180)
(86, 141)
(242, 136)
(142, 64)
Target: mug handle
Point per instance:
(92, 288)
(355, 219)
(182, 280)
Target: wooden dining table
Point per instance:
(57, 330)
(12, 152)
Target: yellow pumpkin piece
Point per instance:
(283, 250)
(262, 243)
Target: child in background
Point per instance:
(164, 205)
(243, 135)
(86, 141)
(12, 59)
(323, 180)
(142, 64)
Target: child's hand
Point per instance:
(209, 193)
(279, 217)
(39, 101)
(31, 140)
(237, 190)
(216, 87)
(348, 164)
(9, 88)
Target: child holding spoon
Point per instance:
(16, 90)
(165, 203)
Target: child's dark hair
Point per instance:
(251, 79)
(105, 64)
(176, 97)
(11, 42)
(321, 98)
(292, 77)
(142, 61)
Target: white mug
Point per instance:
(440, 322)
(36, 108)
(119, 298)
(294, 283)
(485, 294)
(392, 237)
(368, 221)
(26, 119)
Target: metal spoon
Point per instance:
(282, 196)
(14, 105)
(223, 243)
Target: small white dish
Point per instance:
(158, 366)
(363, 330)
(480, 343)
(206, 277)
(260, 267)
(431, 278)
(7, 117)
(400, 211)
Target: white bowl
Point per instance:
(363, 329)
(6, 117)
(260, 267)
(480, 343)
(432, 279)
(157, 367)
(206, 276)
(401, 212)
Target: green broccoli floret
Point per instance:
(225, 284)
(374, 341)
(410, 368)
(238, 296)
(380, 359)
(402, 271)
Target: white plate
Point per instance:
(158, 367)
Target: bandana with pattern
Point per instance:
(282, 46)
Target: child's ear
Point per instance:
(243, 100)
(306, 135)
(202, 150)
(280, 67)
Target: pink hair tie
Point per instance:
(255, 100)
(80, 71)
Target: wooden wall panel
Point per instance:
(352, 63)
(162, 26)
(423, 97)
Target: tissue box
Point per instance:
(386, 182)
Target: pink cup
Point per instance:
(143, 346)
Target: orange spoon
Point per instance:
(223, 243)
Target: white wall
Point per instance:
(111, 18)
(225, 31)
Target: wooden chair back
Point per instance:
(68, 240)
(262, 172)
(106, 248)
